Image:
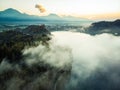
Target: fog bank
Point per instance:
(70, 61)
(96, 60)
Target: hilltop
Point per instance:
(111, 27)
(12, 42)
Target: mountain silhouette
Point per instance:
(11, 14)
(112, 27)
(14, 15)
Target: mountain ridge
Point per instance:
(11, 14)
(112, 27)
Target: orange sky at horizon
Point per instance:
(106, 16)
(90, 9)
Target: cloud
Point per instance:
(55, 55)
(40, 8)
(40, 66)
(88, 62)
(5, 66)
(91, 57)
(95, 60)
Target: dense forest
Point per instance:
(12, 42)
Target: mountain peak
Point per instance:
(53, 15)
(11, 10)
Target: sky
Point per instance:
(91, 9)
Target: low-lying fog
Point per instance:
(95, 60)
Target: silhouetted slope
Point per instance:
(105, 27)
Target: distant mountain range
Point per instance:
(14, 15)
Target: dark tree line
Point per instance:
(12, 42)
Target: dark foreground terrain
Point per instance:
(15, 74)
(12, 42)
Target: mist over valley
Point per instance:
(62, 56)
(59, 45)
